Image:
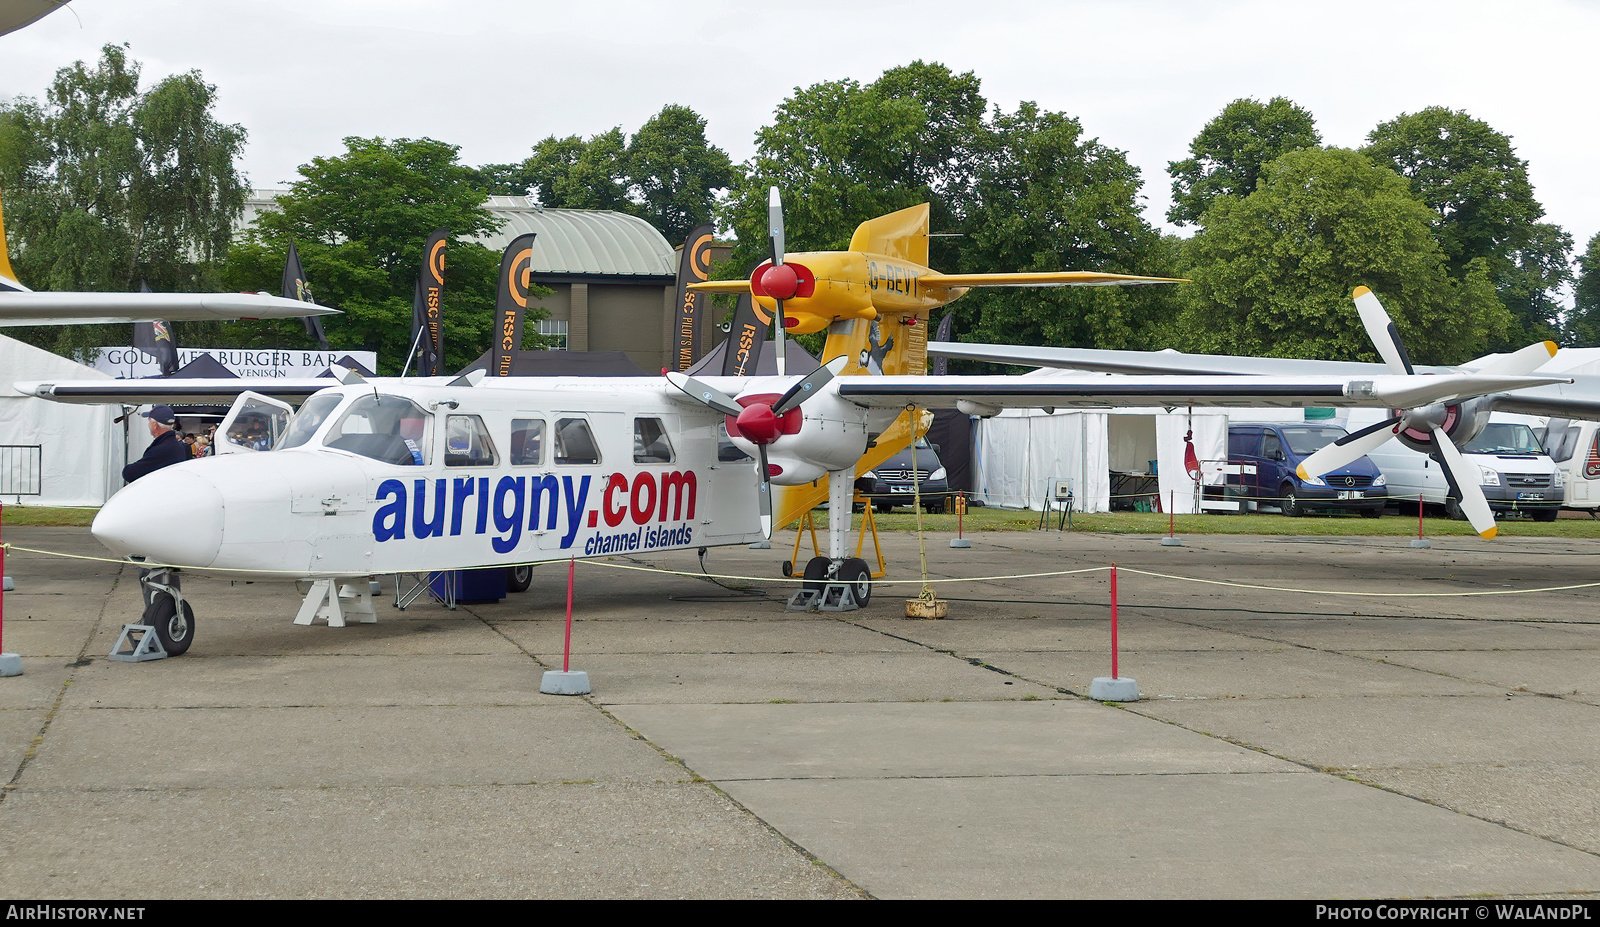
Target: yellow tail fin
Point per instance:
(902, 234)
(8, 277)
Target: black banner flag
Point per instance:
(745, 338)
(510, 300)
(693, 267)
(425, 305)
(155, 339)
(295, 287)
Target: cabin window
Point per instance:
(650, 444)
(527, 442)
(312, 414)
(467, 442)
(387, 428)
(575, 442)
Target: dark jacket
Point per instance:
(162, 452)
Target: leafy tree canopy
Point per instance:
(108, 186)
(1273, 271)
(1229, 154)
(1470, 176)
(668, 174)
(359, 222)
(1583, 327)
(1013, 191)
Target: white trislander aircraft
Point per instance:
(428, 474)
(1439, 428)
(22, 306)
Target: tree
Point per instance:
(359, 221)
(1470, 176)
(1229, 154)
(1273, 271)
(1013, 191)
(667, 174)
(674, 172)
(1583, 328)
(108, 187)
(1049, 199)
(842, 153)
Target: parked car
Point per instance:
(891, 483)
(1515, 472)
(1269, 454)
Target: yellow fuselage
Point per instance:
(857, 285)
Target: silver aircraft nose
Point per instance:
(171, 516)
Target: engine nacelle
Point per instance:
(1462, 421)
(824, 433)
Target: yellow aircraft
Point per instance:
(874, 301)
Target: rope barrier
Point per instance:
(287, 574)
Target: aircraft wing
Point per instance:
(29, 308)
(1042, 278)
(990, 394)
(196, 391)
(1579, 398)
(1152, 362)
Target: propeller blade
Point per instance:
(1468, 483)
(764, 494)
(775, 223)
(1380, 328)
(808, 386)
(1348, 449)
(1521, 362)
(702, 392)
(777, 337)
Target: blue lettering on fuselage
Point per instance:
(538, 503)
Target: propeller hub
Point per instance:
(780, 281)
(758, 424)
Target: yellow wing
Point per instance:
(1049, 278)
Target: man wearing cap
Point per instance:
(165, 450)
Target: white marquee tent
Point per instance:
(52, 453)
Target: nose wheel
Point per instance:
(167, 611)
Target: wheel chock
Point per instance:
(137, 643)
(832, 597)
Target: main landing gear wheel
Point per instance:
(816, 574)
(174, 629)
(519, 578)
(858, 576)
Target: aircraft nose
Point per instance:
(169, 516)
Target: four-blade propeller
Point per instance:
(1429, 419)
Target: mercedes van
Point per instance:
(1268, 455)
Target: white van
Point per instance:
(1517, 474)
(1575, 447)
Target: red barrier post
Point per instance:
(1114, 622)
(566, 647)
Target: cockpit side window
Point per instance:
(467, 442)
(388, 428)
(312, 414)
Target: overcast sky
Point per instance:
(1143, 76)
